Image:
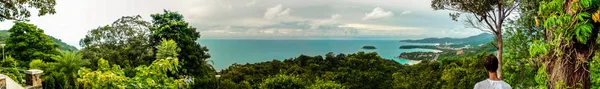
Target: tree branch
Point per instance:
(493, 15)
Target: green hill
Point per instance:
(4, 34)
(482, 38)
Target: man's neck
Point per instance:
(492, 76)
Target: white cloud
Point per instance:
(405, 12)
(335, 16)
(276, 11)
(377, 13)
(251, 3)
(377, 27)
(333, 20)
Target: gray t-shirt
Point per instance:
(492, 84)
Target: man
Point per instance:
(493, 82)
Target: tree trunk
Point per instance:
(499, 38)
(499, 55)
(570, 69)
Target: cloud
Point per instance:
(276, 11)
(405, 12)
(251, 3)
(378, 13)
(377, 27)
(330, 21)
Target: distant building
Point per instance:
(467, 46)
(459, 52)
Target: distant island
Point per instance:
(369, 47)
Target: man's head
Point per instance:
(491, 63)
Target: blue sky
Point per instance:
(263, 19)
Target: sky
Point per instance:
(263, 19)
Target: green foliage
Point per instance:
(463, 73)
(583, 31)
(37, 64)
(321, 84)
(595, 71)
(152, 76)
(171, 26)
(11, 70)
(27, 42)
(228, 84)
(9, 62)
(571, 34)
(17, 9)
(125, 42)
(347, 70)
(519, 69)
(14, 74)
(167, 49)
(61, 73)
(4, 34)
(558, 20)
(541, 78)
(424, 75)
(477, 7)
(283, 82)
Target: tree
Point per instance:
(322, 84)
(424, 75)
(125, 42)
(27, 42)
(171, 26)
(283, 82)
(571, 38)
(153, 76)
(463, 73)
(518, 64)
(489, 15)
(62, 72)
(17, 9)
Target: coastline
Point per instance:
(412, 62)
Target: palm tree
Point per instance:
(66, 66)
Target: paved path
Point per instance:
(10, 83)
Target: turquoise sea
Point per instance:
(225, 52)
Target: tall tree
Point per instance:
(125, 42)
(485, 15)
(171, 26)
(571, 37)
(27, 42)
(17, 9)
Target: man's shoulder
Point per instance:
(480, 84)
(506, 85)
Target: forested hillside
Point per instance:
(482, 38)
(62, 45)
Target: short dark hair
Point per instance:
(491, 63)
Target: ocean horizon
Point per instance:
(225, 52)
